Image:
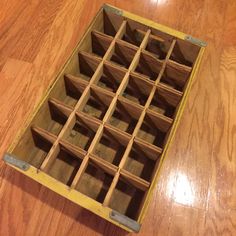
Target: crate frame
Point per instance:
(92, 205)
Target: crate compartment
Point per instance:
(159, 44)
(81, 133)
(94, 182)
(149, 65)
(65, 166)
(68, 90)
(154, 129)
(111, 146)
(96, 103)
(185, 52)
(122, 54)
(83, 65)
(142, 161)
(110, 77)
(125, 116)
(100, 43)
(57, 119)
(87, 66)
(165, 101)
(134, 32)
(137, 90)
(96, 43)
(111, 23)
(51, 117)
(33, 147)
(126, 199)
(175, 75)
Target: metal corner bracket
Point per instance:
(13, 160)
(125, 220)
(195, 41)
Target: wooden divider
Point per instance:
(111, 112)
(138, 84)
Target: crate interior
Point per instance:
(105, 122)
(125, 116)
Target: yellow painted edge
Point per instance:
(171, 136)
(150, 23)
(71, 194)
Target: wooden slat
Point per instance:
(76, 80)
(151, 151)
(152, 36)
(104, 165)
(100, 129)
(91, 58)
(135, 180)
(65, 109)
(76, 151)
(179, 66)
(44, 134)
(131, 68)
(100, 34)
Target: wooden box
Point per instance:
(102, 130)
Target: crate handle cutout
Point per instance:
(125, 220)
(13, 160)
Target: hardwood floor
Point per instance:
(196, 193)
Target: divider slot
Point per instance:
(82, 132)
(159, 44)
(96, 103)
(67, 90)
(126, 199)
(122, 54)
(33, 147)
(134, 180)
(149, 65)
(105, 166)
(142, 160)
(111, 146)
(134, 32)
(66, 110)
(100, 43)
(185, 52)
(125, 116)
(111, 23)
(65, 166)
(87, 66)
(151, 151)
(72, 149)
(165, 100)
(52, 117)
(110, 77)
(154, 129)
(44, 134)
(96, 43)
(175, 75)
(94, 182)
(137, 89)
(74, 88)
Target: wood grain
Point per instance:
(197, 187)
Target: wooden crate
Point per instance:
(101, 132)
